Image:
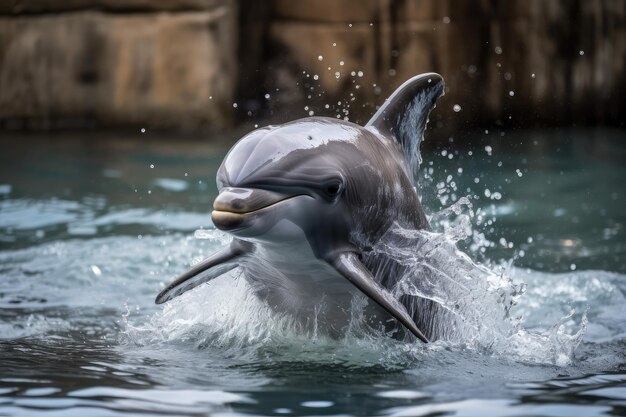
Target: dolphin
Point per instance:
(305, 200)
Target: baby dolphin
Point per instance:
(305, 200)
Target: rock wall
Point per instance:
(125, 64)
(182, 63)
(506, 62)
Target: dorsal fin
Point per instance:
(404, 114)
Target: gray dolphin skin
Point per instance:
(305, 200)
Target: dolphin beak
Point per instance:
(232, 205)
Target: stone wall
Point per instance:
(506, 62)
(182, 63)
(109, 63)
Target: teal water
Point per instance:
(91, 228)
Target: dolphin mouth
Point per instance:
(233, 206)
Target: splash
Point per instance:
(225, 315)
(476, 305)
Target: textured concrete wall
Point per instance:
(54, 6)
(506, 62)
(178, 63)
(123, 65)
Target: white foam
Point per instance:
(225, 314)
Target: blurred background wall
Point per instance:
(197, 64)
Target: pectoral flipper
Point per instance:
(215, 265)
(350, 267)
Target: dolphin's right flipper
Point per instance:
(350, 266)
(212, 267)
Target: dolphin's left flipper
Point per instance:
(350, 267)
(215, 265)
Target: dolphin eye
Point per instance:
(333, 188)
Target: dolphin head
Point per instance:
(278, 184)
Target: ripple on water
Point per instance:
(79, 334)
(224, 314)
(108, 278)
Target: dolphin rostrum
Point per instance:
(304, 201)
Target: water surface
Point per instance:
(92, 227)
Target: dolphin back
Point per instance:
(404, 115)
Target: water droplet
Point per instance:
(151, 165)
(337, 74)
(532, 75)
(143, 130)
(360, 73)
(316, 77)
(235, 105)
(446, 20)
(511, 93)
(456, 108)
(317, 404)
(267, 96)
(319, 58)
(341, 63)
(498, 50)
(581, 52)
(572, 267)
(311, 113)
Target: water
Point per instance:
(91, 228)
